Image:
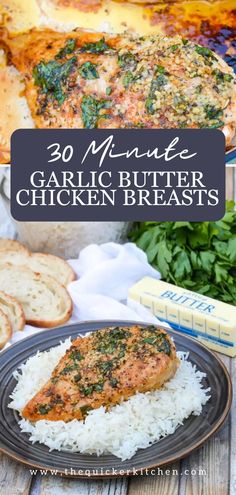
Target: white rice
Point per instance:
(127, 427)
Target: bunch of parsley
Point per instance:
(200, 256)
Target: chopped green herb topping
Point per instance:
(98, 47)
(160, 69)
(76, 355)
(128, 78)
(119, 333)
(91, 111)
(206, 53)
(149, 340)
(113, 382)
(69, 368)
(122, 349)
(156, 84)
(149, 104)
(157, 339)
(93, 387)
(112, 341)
(106, 366)
(173, 48)
(222, 77)
(213, 112)
(44, 408)
(108, 90)
(88, 70)
(68, 48)
(77, 377)
(214, 125)
(51, 77)
(86, 390)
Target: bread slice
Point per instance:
(45, 302)
(5, 329)
(12, 246)
(15, 253)
(12, 251)
(51, 265)
(13, 310)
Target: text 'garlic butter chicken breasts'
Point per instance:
(102, 369)
(87, 80)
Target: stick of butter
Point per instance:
(210, 321)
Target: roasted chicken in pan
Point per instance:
(103, 369)
(87, 80)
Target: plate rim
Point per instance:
(170, 460)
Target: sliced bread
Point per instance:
(12, 251)
(15, 253)
(45, 302)
(13, 310)
(51, 265)
(5, 329)
(13, 246)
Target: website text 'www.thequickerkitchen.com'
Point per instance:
(120, 472)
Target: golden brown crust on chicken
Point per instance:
(84, 79)
(102, 369)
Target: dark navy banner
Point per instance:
(117, 175)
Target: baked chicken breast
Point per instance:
(103, 369)
(87, 80)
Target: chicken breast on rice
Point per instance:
(103, 369)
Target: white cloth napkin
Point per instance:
(105, 274)
(109, 269)
(6, 226)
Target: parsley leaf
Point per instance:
(88, 70)
(200, 256)
(91, 111)
(67, 49)
(97, 47)
(52, 76)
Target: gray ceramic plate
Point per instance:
(194, 432)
